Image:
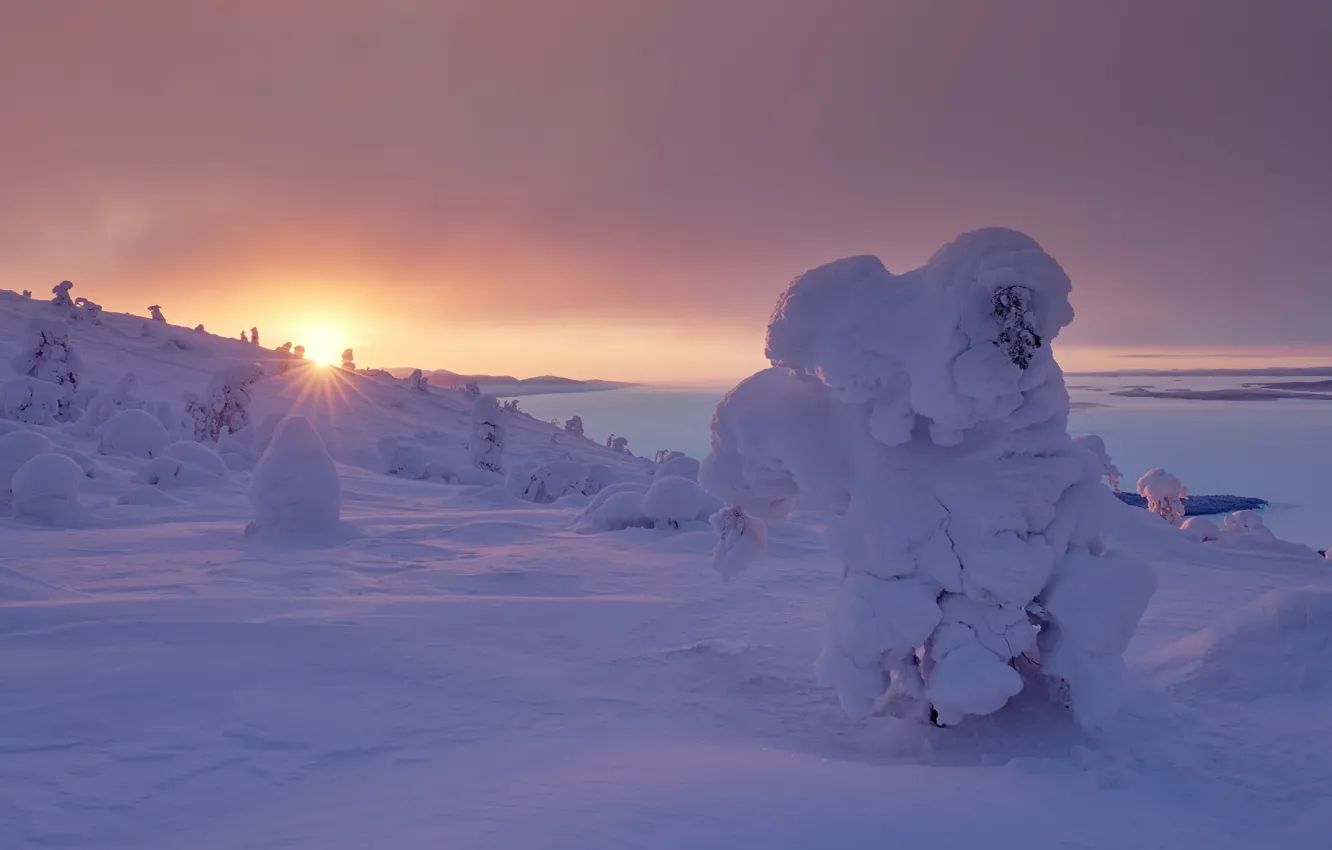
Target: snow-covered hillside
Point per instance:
(463, 668)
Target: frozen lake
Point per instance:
(1276, 450)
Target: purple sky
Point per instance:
(541, 170)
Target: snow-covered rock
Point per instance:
(133, 433)
(927, 414)
(296, 490)
(45, 491)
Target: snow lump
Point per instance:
(296, 491)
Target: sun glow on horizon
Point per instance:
(324, 343)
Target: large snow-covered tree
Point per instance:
(48, 355)
(485, 444)
(926, 414)
(226, 407)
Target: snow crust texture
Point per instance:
(925, 411)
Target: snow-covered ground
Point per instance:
(462, 669)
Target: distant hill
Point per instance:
(510, 385)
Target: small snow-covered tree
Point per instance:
(296, 490)
(49, 356)
(419, 380)
(89, 310)
(348, 360)
(1165, 495)
(741, 539)
(574, 426)
(62, 297)
(472, 390)
(254, 336)
(200, 328)
(926, 414)
(486, 441)
(226, 408)
(298, 352)
(511, 405)
(1096, 446)
(620, 445)
(243, 337)
(155, 312)
(118, 398)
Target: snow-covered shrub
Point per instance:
(47, 355)
(62, 297)
(1200, 528)
(1096, 445)
(198, 456)
(168, 471)
(678, 464)
(227, 407)
(472, 390)
(404, 460)
(107, 404)
(348, 360)
(88, 310)
(926, 413)
(133, 433)
(741, 540)
(45, 491)
(419, 381)
(155, 312)
(254, 336)
(511, 405)
(556, 479)
(16, 449)
(574, 426)
(1165, 495)
(296, 491)
(1246, 522)
(244, 337)
(619, 445)
(486, 442)
(29, 400)
(298, 352)
(200, 328)
(672, 501)
(667, 503)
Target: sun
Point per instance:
(324, 343)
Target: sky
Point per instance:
(621, 188)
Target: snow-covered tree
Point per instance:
(244, 337)
(133, 433)
(200, 328)
(574, 426)
(296, 490)
(1096, 446)
(419, 380)
(254, 336)
(926, 413)
(27, 293)
(348, 360)
(620, 445)
(486, 442)
(226, 408)
(49, 356)
(511, 405)
(45, 491)
(16, 449)
(472, 390)
(118, 398)
(62, 297)
(741, 539)
(1165, 495)
(88, 310)
(298, 352)
(156, 313)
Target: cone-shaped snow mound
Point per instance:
(296, 491)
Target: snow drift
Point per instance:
(927, 414)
